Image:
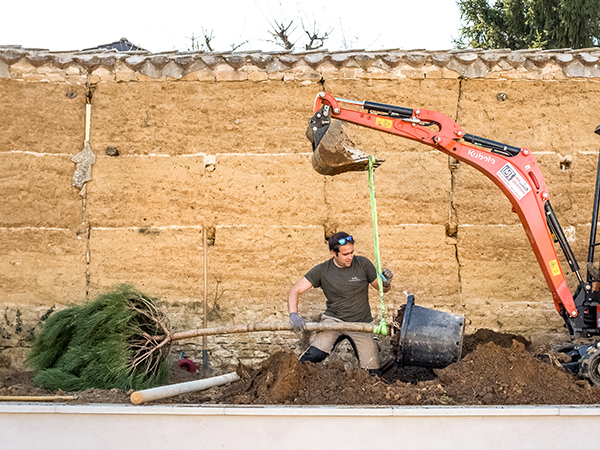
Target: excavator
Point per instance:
(516, 173)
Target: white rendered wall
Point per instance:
(90, 427)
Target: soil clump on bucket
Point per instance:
(495, 369)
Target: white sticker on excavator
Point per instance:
(515, 182)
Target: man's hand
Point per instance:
(387, 275)
(297, 321)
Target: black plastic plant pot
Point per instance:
(429, 338)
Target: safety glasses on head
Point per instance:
(345, 240)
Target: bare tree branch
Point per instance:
(234, 47)
(316, 38)
(195, 45)
(281, 34)
(347, 44)
(207, 39)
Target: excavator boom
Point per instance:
(514, 170)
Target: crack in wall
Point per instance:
(452, 228)
(329, 228)
(88, 236)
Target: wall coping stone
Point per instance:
(26, 64)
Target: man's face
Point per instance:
(344, 257)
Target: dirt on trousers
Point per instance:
(496, 369)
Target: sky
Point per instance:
(62, 25)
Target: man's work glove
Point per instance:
(387, 277)
(297, 321)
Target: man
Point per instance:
(345, 280)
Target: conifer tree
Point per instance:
(520, 24)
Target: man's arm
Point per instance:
(295, 291)
(376, 286)
(297, 321)
(387, 285)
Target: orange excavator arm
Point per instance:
(514, 170)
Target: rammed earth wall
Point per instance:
(191, 141)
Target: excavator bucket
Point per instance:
(333, 151)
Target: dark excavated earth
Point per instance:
(495, 369)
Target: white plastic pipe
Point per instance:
(147, 395)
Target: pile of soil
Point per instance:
(282, 379)
(489, 375)
(496, 369)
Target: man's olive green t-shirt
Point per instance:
(347, 289)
